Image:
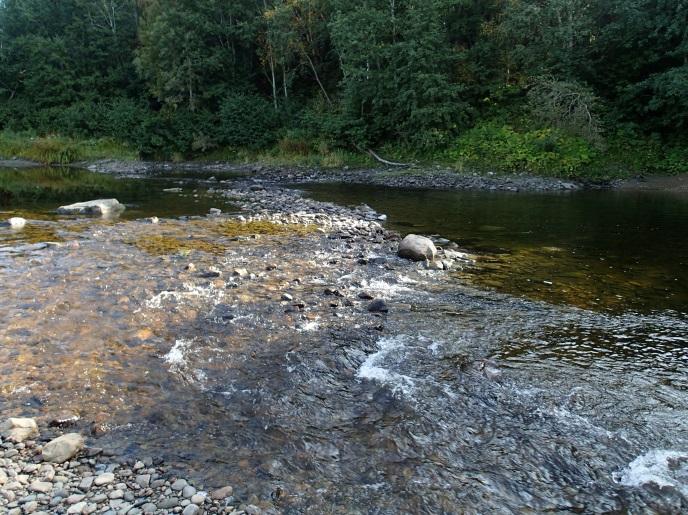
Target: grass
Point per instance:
(486, 148)
(54, 149)
(291, 154)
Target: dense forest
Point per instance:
(570, 87)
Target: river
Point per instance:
(548, 375)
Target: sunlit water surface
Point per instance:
(551, 375)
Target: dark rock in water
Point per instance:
(365, 296)
(417, 248)
(378, 306)
(336, 293)
(63, 419)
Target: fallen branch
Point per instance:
(384, 161)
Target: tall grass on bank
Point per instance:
(490, 146)
(292, 152)
(54, 149)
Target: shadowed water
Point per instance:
(613, 250)
(461, 399)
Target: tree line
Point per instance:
(187, 76)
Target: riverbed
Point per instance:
(545, 371)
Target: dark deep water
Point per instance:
(552, 375)
(603, 250)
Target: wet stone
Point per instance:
(378, 306)
(179, 485)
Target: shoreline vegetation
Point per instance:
(622, 161)
(566, 89)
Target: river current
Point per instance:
(549, 375)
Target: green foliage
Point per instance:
(317, 81)
(500, 148)
(192, 52)
(395, 66)
(59, 149)
(247, 121)
(567, 105)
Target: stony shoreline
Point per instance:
(80, 479)
(420, 178)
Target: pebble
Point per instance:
(149, 508)
(179, 485)
(188, 491)
(74, 499)
(104, 479)
(169, 502)
(86, 483)
(143, 480)
(222, 493)
(199, 498)
(41, 486)
(191, 509)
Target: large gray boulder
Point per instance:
(105, 207)
(63, 448)
(19, 429)
(417, 248)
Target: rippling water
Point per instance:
(467, 397)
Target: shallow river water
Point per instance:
(551, 375)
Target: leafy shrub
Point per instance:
(295, 142)
(83, 119)
(175, 133)
(500, 147)
(248, 121)
(124, 119)
(567, 105)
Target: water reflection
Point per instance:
(597, 249)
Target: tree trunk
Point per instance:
(317, 78)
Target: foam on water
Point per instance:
(309, 326)
(664, 468)
(191, 291)
(176, 357)
(371, 369)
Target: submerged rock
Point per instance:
(19, 429)
(378, 306)
(417, 248)
(93, 207)
(63, 448)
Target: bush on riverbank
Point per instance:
(488, 147)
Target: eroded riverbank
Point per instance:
(250, 358)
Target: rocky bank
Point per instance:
(413, 177)
(42, 473)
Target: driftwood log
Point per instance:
(384, 161)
